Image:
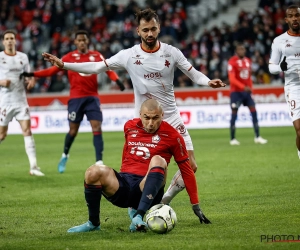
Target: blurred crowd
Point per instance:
(49, 25)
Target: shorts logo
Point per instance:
(181, 129)
(72, 116)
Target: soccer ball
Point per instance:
(161, 219)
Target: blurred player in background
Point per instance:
(285, 57)
(149, 145)
(239, 74)
(13, 101)
(151, 67)
(84, 99)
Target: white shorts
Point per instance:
(7, 113)
(176, 122)
(292, 97)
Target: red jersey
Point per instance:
(239, 73)
(140, 146)
(81, 85)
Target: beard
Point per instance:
(152, 44)
(294, 29)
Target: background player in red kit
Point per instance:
(239, 74)
(84, 99)
(149, 145)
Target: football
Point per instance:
(161, 219)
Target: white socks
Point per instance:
(176, 186)
(30, 150)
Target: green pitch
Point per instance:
(249, 192)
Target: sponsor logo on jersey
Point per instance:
(137, 57)
(297, 55)
(155, 139)
(141, 144)
(166, 55)
(288, 45)
(138, 62)
(152, 75)
(167, 63)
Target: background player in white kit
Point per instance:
(151, 67)
(285, 56)
(13, 102)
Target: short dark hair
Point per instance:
(81, 32)
(147, 14)
(9, 32)
(294, 6)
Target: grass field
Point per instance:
(247, 191)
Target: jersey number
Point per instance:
(141, 151)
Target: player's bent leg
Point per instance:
(176, 186)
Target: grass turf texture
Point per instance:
(246, 191)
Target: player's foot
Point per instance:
(99, 163)
(131, 212)
(62, 163)
(86, 227)
(138, 225)
(234, 142)
(36, 171)
(260, 140)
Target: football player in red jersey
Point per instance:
(149, 145)
(239, 74)
(84, 99)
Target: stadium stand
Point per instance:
(48, 25)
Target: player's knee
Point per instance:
(94, 173)
(157, 160)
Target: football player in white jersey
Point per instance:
(285, 56)
(13, 102)
(151, 67)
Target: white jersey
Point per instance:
(10, 68)
(152, 74)
(288, 45)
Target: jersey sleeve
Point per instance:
(276, 53)
(184, 65)
(26, 65)
(181, 157)
(115, 62)
(47, 72)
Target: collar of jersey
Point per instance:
(151, 51)
(292, 34)
(9, 54)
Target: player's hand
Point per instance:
(199, 213)
(216, 83)
(247, 89)
(26, 74)
(283, 64)
(120, 84)
(5, 83)
(53, 60)
(30, 83)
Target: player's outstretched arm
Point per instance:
(53, 60)
(198, 212)
(216, 83)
